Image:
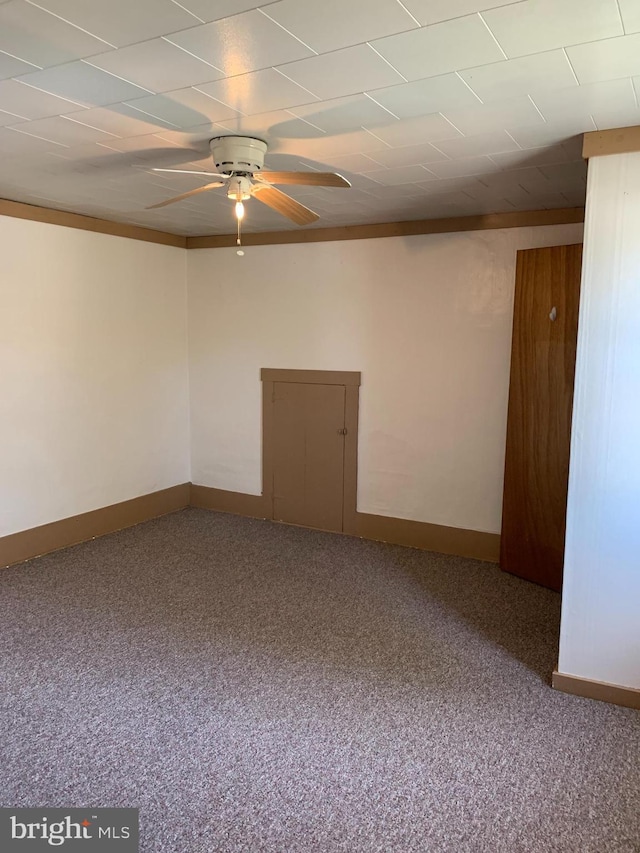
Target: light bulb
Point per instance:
(239, 210)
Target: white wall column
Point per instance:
(600, 634)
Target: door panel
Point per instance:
(539, 421)
(308, 454)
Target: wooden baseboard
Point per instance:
(238, 503)
(428, 537)
(628, 697)
(397, 531)
(18, 547)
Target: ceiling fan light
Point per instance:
(239, 211)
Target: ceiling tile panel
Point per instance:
(531, 157)
(434, 11)
(551, 133)
(10, 66)
(39, 38)
(630, 11)
(333, 24)
(62, 130)
(577, 102)
(8, 119)
(612, 117)
(122, 22)
(14, 143)
(258, 92)
(30, 103)
(345, 114)
(514, 77)
(606, 60)
(246, 42)
(215, 10)
(414, 131)
(421, 97)
(344, 72)
(354, 163)
(157, 65)
(538, 25)
(449, 46)
(498, 115)
(184, 108)
(472, 146)
(84, 84)
(408, 155)
(357, 142)
(400, 175)
(280, 129)
(462, 167)
(120, 120)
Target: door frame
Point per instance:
(351, 381)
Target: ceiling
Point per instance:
(431, 108)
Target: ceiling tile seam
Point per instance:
(538, 109)
(457, 129)
(84, 124)
(575, 76)
(288, 32)
(473, 92)
(512, 139)
(371, 133)
(146, 113)
(400, 3)
(635, 91)
(171, 142)
(624, 29)
(393, 68)
(184, 50)
(188, 11)
(439, 150)
(490, 31)
(217, 100)
(35, 136)
(282, 74)
(71, 24)
(45, 92)
(305, 120)
(7, 113)
(20, 59)
(117, 76)
(371, 98)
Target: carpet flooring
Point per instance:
(257, 688)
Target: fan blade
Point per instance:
(310, 179)
(186, 195)
(194, 172)
(284, 204)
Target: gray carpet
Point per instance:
(253, 687)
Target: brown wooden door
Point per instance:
(308, 454)
(543, 355)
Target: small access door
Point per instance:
(305, 434)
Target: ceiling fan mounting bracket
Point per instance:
(238, 154)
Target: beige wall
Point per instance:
(427, 320)
(93, 371)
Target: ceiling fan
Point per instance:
(239, 160)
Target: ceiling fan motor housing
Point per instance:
(242, 154)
